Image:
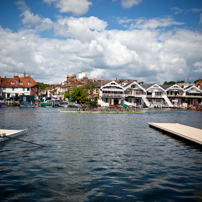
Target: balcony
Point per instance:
(177, 95)
(111, 95)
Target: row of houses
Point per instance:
(130, 92)
(110, 92)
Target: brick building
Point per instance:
(16, 86)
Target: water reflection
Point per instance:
(102, 157)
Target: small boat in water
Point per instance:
(45, 104)
(193, 109)
(3, 105)
(25, 104)
(63, 104)
(10, 134)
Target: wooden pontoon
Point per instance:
(10, 134)
(187, 132)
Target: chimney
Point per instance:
(199, 79)
(24, 74)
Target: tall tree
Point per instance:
(79, 94)
(67, 94)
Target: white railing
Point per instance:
(167, 101)
(146, 101)
(179, 95)
(112, 95)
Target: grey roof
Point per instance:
(146, 86)
(100, 83)
(165, 87)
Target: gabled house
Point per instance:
(111, 94)
(174, 93)
(16, 86)
(133, 93)
(155, 96)
(192, 95)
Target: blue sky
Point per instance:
(145, 40)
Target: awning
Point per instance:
(112, 89)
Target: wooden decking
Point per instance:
(11, 133)
(187, 132)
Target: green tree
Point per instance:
(90, 88)
(169, 83)
(67, 94)
(42, 86)
(79, 94)
(180, 81)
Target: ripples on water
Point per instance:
(98, 157)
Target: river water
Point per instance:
(99, 157)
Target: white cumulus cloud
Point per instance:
(77, 7)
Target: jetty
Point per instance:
(189, 133)
(10, 134)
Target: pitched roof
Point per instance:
(199, 84)
(165, 87)
(146, 86)
(18, 82)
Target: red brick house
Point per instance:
(16, 86)
(199, 84)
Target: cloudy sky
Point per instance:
(145, 40)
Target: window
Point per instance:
(21, 83)
(29, 83)
(27, 89)
(12, 83)
(13, 89)
(36, 90)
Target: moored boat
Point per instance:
(25, 104)
(44, 104)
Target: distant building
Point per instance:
(199, 84)
(16, 86)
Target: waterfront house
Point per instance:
(133, 93)
(16, 86)
(192, 95)
(175, 94)
(199, 84)
(155, 96)
(111, 93)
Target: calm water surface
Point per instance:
(99, 157)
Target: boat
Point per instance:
(3, 105)
(10, 134)
(63, 104)
(25, 104)
(104, 112)
(45, 104)
(197, 109)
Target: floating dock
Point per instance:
(183, 131)
(10, 134)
